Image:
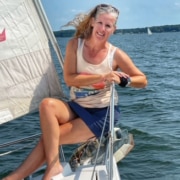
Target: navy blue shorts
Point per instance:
(95, 117)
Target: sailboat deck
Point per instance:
(82, 173)
(86, 174)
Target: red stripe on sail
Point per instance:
(3, 36)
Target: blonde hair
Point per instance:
(84, 28)
(82, 22)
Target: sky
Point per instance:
(133, 13)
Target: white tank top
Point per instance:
(96, 95)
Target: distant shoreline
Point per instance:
(154, 29)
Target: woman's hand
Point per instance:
(114, 76)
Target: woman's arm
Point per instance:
(71, 77)
(126, 65)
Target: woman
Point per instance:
(90, 66)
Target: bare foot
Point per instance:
(53, 171)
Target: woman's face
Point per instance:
(103, 26)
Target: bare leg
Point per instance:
(72, 132)
(50, 121)
(57, 128)
(37, 157)
(33, 162)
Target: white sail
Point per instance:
(149, 31)
(27, 72)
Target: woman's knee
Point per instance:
(52, 107)
(46, 103)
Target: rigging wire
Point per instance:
(110, 135)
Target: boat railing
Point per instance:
(21, 141)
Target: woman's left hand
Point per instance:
(114, 76)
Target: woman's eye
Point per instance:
(108, 26)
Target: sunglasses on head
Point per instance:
(108, 6)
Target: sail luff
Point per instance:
(48, 30)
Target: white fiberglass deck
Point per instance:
(85, 173)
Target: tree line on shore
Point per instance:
(154, 29)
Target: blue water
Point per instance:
(152, 114)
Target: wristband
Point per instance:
(124, 81)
